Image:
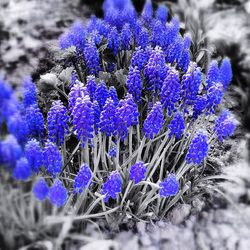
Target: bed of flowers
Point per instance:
(119, 129)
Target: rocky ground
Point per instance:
(28, 27)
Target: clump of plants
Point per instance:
(122, 126)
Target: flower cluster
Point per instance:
(123, 128)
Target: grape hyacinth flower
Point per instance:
(198, 149)
(175, 50)
(113, 95)
(172, 30)
(91, 57)
(169, 186)
(147, 13)
(158, 37)
(77, 91)
(83, 119)
(214, 97)
(91, 86)
(126, 37)
(83, 179)
(113, 41)
(170, 92)
(213, 74)
(22, 170)
(112, 151)
(225, 125)
(155, 70)
(108, 119)
(101, 93)
(134, 83)
(57, 122)
(137, 172)
(34, 155)
(162, 13)
(199, 106)
(35, 121)
(184, 60)
(18, 127)
(52, 159)
(140, 58)
(177, 126)
(226, 72)
(29, 92)
(112, 186)
(58, 194)
(143, 39)
(11, 151)
(97, 114)
(76, 36)
(127, 115)
(40, 189)
(190, 84)
(154, 121)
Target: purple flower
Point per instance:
(40, 189)
(91, 87)
(97, 114)
(18, 127)
(127, 115)
(35, 121)
(34, 155)
(83, 119)
(154, 121)
(126, 37)
(190, 84)
(101, 93)
(226, 72)
(169, 186)
(213, 74)
(147, 13)
(76, 36)
(112, 151)
(162, 13)
(134, 83)
(184, 60)
(108, 119)
(225, 125)
(77, 91)
(214, 97)
(91, 56)
(52, 159)
(83, 179)
(29, 92)
(137, 172)
(22, 171)
(112, 186)
(140, 58)
(113, 95)
(58, 194)
(200, 105)
(57, 122)
(198, 149)
(177, 126)
(155, 70)
(170, 92)
(10, 151)
(113, 41)
(158, 34)
(175, 50)
(143, 38)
